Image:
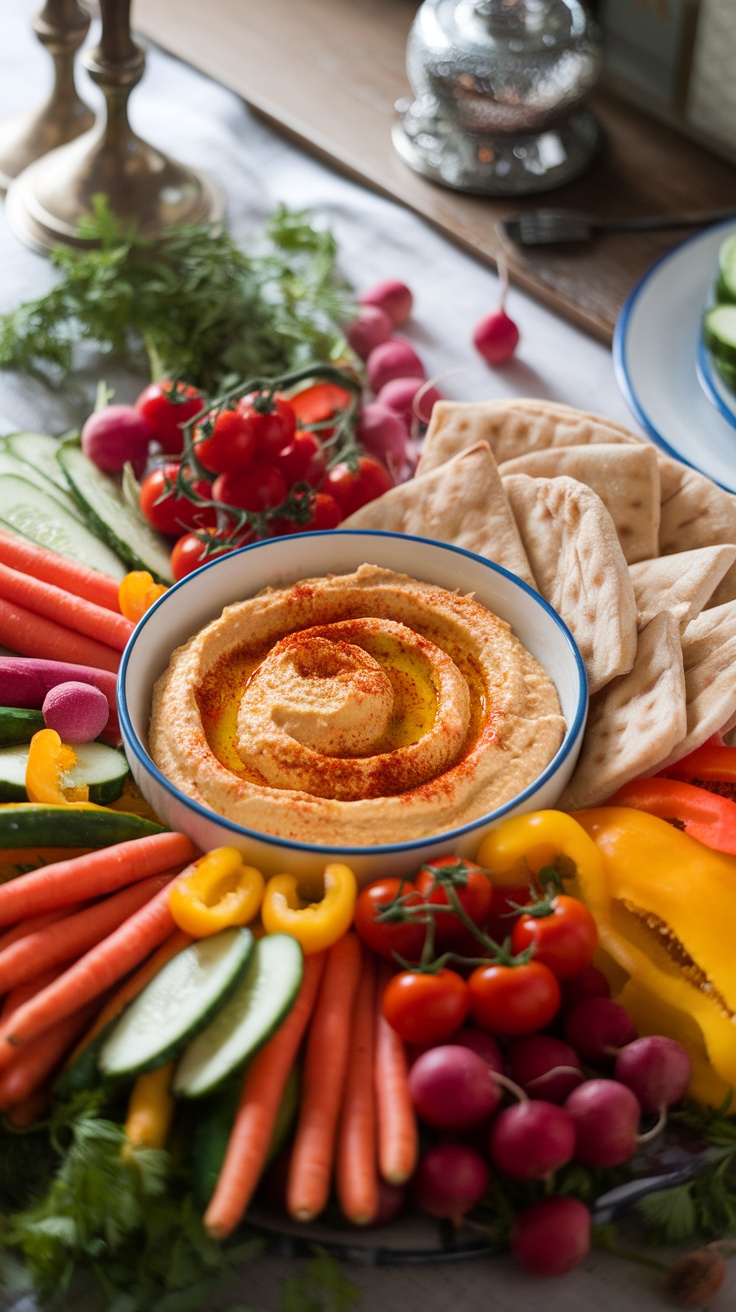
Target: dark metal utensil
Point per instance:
(543, 227)
(619, 1200)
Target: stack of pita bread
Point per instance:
(634, 550)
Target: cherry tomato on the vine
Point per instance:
(225, 443)
(324, 513)
(355, 488)
(474, 892)
(565, 939)
(258, 488)
(512, 1000)
(168, 512)
(426, 1008)
(386, 937)
(270, 419)
(302, 460)
(505, 910)
(319, 404)
(189, 552)
(167, 406)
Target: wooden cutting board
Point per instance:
(328, 74)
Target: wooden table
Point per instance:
(328, 73)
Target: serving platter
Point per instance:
(713, 385)
(656, 350)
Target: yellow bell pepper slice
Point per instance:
(523, 845)
(216, 891)
(137, 593)
(316, 925)
(48, 761)
(150, 1110)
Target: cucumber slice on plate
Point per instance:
(10, 464)
(18, 725)
(257, 1007)
(39, 450)
(36, 515)
(177, 1004)
(103, 769)
(719, 333)
(726, 282)
(125, 532)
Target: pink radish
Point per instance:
(544, 1067)
(369, 329)
(115, 435)
(606, 1116)
(656, 1069)
(25, 681)
(450, 1179)
(597, 1027)
(383, 434)
(392, 296)
(532, 1139)
(393, 359)
(496, 336)
(552, 1236)
(452, 1087)
(411, 398)
(77, 711)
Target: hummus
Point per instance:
(353, 710)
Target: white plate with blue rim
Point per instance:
(656, 348)
(717, 391)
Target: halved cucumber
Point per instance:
(726, 284)
(177, 1003)
(34, 514)
(257, 1007)
(105, 508)
(719, 333)
(39, 450)
(104, 770)
(17, 725)
(10, 464)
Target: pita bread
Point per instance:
(681, 583)
(696, 512)
(462, 502)
(634, 721)
(511, 427)
(626, 479)
(709, 654)
(575, 556)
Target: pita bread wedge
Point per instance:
(696, 512)
(681, 583)
(512, 427)
(626, 479)
(575, 556)
(462, 502)
(633, 721)
(709, 655)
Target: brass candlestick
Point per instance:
(61, 27)
(46, 202)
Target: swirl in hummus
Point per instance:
(354, 710)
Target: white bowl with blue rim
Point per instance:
(200, 598)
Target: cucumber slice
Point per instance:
(177, 1003)
(17, 725)
(104, 769)
(10, 464)
(39, 450)
(257, 1007)
(726, 284)
(719, 333)
(34, 514)
(106, 510)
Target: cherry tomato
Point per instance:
(225, 443)
(189, 552)
(386, 937)
(167, 406)
(170, 513)
(270, 419)
(474, 892)
(325, 513)
(353, 489)
(260, 487)
(513, 1000)
(319, 404)
(426, 1008)
(565, 939)
(302, 460)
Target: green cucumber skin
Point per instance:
(29, 825)
(37, 516)
(18, 725)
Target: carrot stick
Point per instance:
(356, 1174)
(36, 1061)
(323, 1079)
(32, 923)
(32, 635)
(398, 1136)
(49, 566)
(22, 992)
(256, 1115)
(92, 974)
(50, 946)
(101, 871)
(64, 608)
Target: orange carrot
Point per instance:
(101, 871)
(49, 566)
(398, 1136)
(92, 974)
(28, 634)
(36, 1061)
(32, 923)
(64, 608)
(51, 945)
(22, 992)
(356, 1174)
(323, 1079)
(263, 1087)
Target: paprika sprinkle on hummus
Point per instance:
(355, 710)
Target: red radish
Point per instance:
(369, 329)
(450, 1179)
(544, 1067)
(411, 398)
(383, 434)
(115, 435)
(25, 681)
(392, 1200)
(597, 1027)
(392, 296)
(452, 1087)
(393, 359)
(656, 1069)
(551, 1237)
(77, 711)
(606, 1116)
(483, 1043)
(588, 983)
(496, 336)
(532, 1139)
